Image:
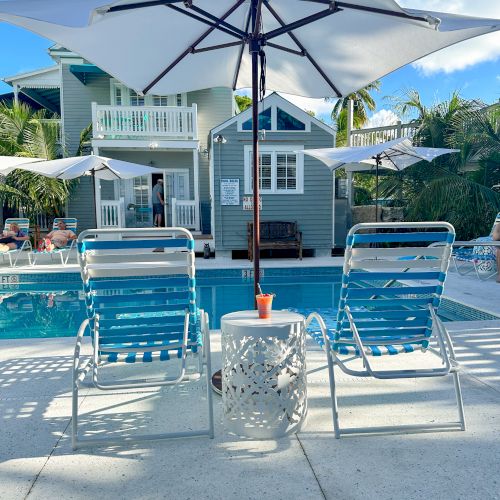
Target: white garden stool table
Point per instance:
(264, 384)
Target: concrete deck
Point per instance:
(36, 460)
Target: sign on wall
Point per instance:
(248, 202)
(229, 191)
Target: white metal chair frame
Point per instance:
(445, 351)
(23, 224)
(71, 224)
(82, 367)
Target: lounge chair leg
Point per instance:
(333, 393)
(460, 403)
(208, 374)
(74, 414)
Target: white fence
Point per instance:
(377, 135)
(185, 214)
(111, 214)
(174, 122)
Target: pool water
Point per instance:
(56, 309)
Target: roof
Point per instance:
(39, 78)
(275, 99)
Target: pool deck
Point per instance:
(36, 460)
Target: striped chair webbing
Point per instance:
(398, 318)
(71, 223)
(138, 299)
(23, 223)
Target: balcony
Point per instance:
(141, 122)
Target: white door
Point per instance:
(137, 195)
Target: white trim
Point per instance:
(274, 149)
(276, 100)
(148, 98)
(29, 74)
(211, 177)
(133, 144)
(196, 180)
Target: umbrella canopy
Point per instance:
(314, 48)
(397, 154)
(97, 166)
(9, 163)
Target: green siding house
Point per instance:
(201, 144)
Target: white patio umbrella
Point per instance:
(9, 163)
(314, 48)
(98, 167)
(397, 154)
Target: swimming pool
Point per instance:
(52, 305)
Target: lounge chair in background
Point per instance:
(140, 295)
(24, 226)
(376, 321)
(479, 259)
(64, 253)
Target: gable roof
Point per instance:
(277, 100)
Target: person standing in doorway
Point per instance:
(158, 203)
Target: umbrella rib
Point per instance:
(240, 55)
(219, 21)
(303, 49)
(189, 50)
(216, 47)
(373, 10)
(286, 49)
(286, 28)
(214, 24)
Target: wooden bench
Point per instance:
(276, 235)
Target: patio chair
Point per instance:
(140, 296)
(24, 226)
(479, 259)
(375, 320)
(64, 253)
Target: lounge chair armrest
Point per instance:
(315, 316)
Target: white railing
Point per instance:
(171, 122)
(185, 214)
(377, 135)
(111, 214)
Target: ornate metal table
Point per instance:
(264, 385)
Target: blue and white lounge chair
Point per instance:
(64, 253)
(480, 259)
(141, 305)
(24, 226)
(375, 320)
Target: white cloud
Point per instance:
(466, 54)
(382, 118)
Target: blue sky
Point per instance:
(472, 67)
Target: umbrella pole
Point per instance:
(95, 196)
(376, 189)
(254, 49)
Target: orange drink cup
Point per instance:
(264, 304)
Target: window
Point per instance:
(136, 99)
(264, 121)
(280, 170)
(160, 100)
(286, 121)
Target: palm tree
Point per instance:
(363, 102)
(26, 133)
(447, 189)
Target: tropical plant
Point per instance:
(450, 188)
(243, 102)
(26, 133)
(362, 103)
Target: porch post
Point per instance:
(196, 169)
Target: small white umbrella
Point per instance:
(9, 163)
(397, 154)
(96, 166)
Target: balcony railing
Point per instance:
(162, 122)
(185, 214)
(377, 135)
